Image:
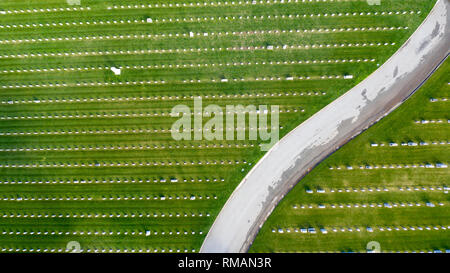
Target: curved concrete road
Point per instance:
(302, 149)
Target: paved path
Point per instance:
(306, 146)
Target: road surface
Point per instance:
(306, 146)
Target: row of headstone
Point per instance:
(219, 3)
(105, 131)
(126, 131)
(212, 3)
(24, 198)
(200, 19)
(109, 181)
(149, 232)
(426, 121)
(97, 115)
(102, 233)
(133, 114)
(439, 188)
(100, 215)
(95, 250)
(192, 34)
(410, 143)
(186, 50)
(156, 98)
(73, 23)
(117, 198)
(162, 198)
(84, 132)
(156, 82)
(43, 10)
(126, 147)
(347, 190)
(358, 229)
(191, 65)
(438, 99)
(396, 166)
(118, 164)
(367, 205)
(261, 17)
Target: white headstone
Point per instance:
(115, 70)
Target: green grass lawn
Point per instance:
(407, 186)
(58, 97)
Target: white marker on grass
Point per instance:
(116, 71)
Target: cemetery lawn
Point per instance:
(87, 155)
(399, 127)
